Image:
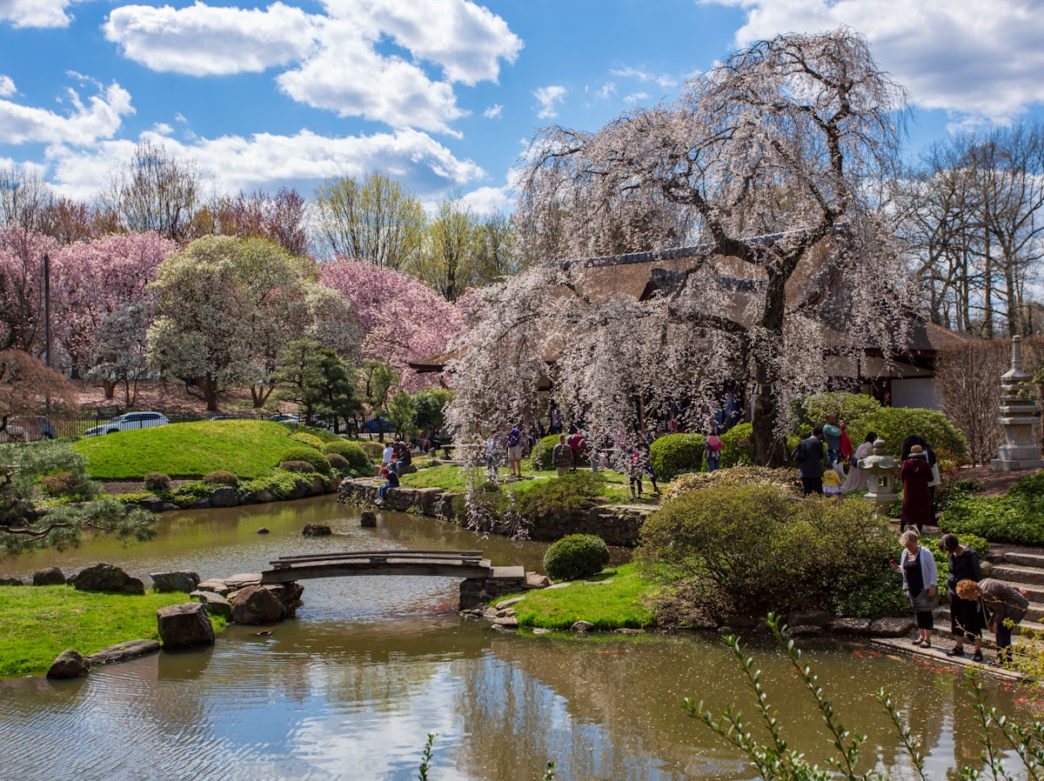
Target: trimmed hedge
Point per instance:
(673, 454)
(356, 457)
(308, 455)
(221, 477)
(540, 457)
(737, 447)
(576, 556)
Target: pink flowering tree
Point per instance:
(400, 319)
(22, 288)
(102, 304)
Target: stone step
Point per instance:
(1033, 622)
(1018, 575)
(1024, 559)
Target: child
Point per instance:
(831, 483)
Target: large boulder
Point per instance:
(316, 530)
(184, 626)
(123, 652)
(167, 582)
(225, 496)
(215, 604)
(52, 576)
(256, 605)
(11, 582)
(69, 664)
(107, 578)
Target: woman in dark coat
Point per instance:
(917, 496)
(966, 619)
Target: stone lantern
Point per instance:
(1019, 416)
(881, 468)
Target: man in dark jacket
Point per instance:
(809, 457)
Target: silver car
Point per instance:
(128, 421)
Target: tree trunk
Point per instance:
(110, 388)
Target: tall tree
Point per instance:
(156, 192)
(449, 262)
(27, 386)
(318, 381)
(22, 287)
(772, 156)
(376, 221)
(23, 198)
(279, 217)
(226, 310)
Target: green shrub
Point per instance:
(188, 494)
(301, 467)
(1012, 518)
(1031, 485)
(540, 456)
(338, 461)
(894, 424)
(307, 438)
(319, 433)
(576, 556)
(374, 450)
(309, 455)
(673, 454)
(876, 597)
(565, 494)
(157, 482)
(356, 457)
(736, 445)
(221, 477)
(281, 484)
(853, 408)
(761, 550)
(68, 485)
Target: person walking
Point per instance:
(966, 619)
(562, 456)
(712, 450)
(514, 444)
(916, 474)
(1002, 606)
(809, 457)
(920, 584)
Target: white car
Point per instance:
(127, 422)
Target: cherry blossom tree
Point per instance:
(102, 304)
(22, 287)
(400, 319)
(773, 163)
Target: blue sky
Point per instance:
(441, 94)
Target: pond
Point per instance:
(351, 688)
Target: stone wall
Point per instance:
(616, 525)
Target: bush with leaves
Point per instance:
(352, 453)
(566, 494)
(372, 449)
(307, 438)
(1013, 518)
(737, 447)
(338, 462)
(299, 467)
(1030, 486)
(71, 486)
(783, 479)
(894, 424)
(157, 482)
(576, 556)
(221, 477)
(760, 550)
(308, 455)
(540, 456)
(853, 408)
(673, 454)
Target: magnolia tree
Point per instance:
(772, 161)
(400, 319)
(102, 304)
(226, 309)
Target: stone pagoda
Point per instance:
(1019, 416)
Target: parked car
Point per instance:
(127, 422)
(28, 428)
(283, 417)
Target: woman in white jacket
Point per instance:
(920, 584)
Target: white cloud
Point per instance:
(83, 125)
(7, 86)
(638, 74)
(489, 200)
(493, 112)
(238, 163)
(468, 41)
(636, 98)
(549, 97)
(36, 13)
(202, 40)
(348, 76)
(963, 56)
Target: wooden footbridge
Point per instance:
(480, 582)
(439, 563)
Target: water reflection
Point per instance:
(351, 688)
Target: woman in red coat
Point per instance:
(916, 473)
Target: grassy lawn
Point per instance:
(248, 448)
(613, 600)
(42, 621)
